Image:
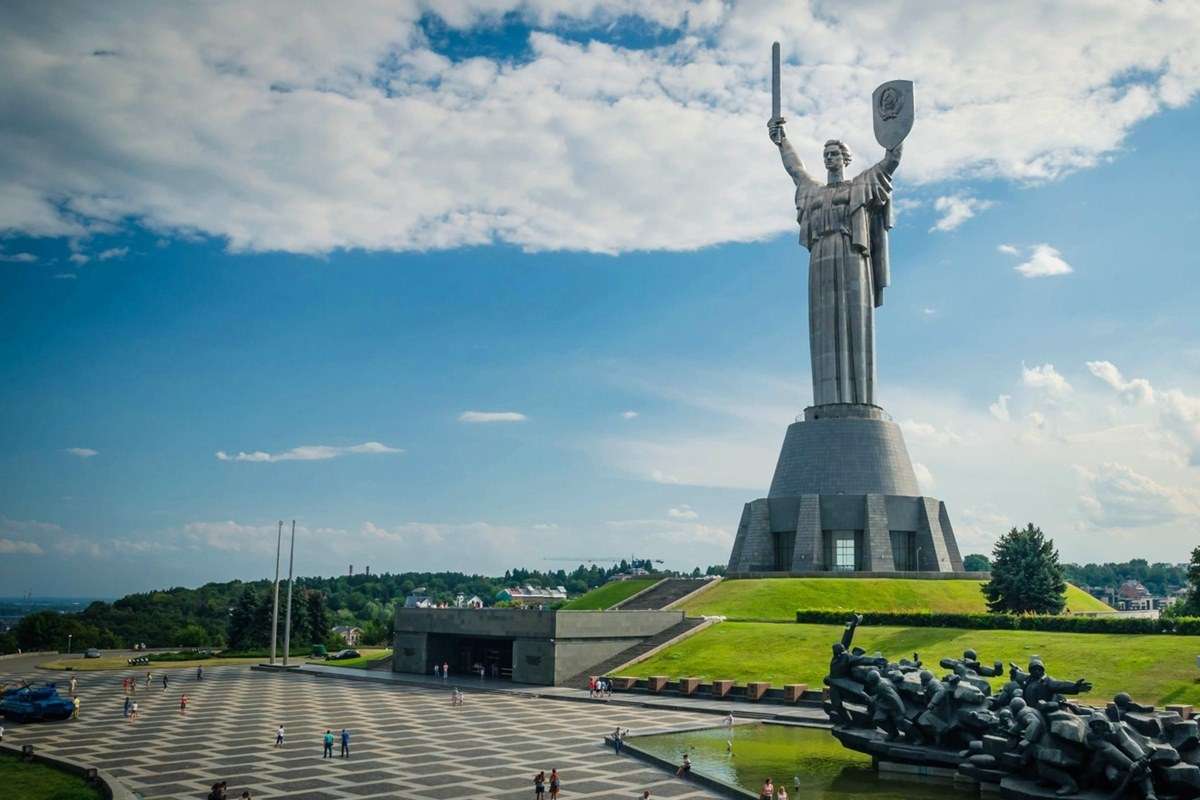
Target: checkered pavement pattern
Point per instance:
(405, 742)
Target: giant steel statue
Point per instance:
(844, 224)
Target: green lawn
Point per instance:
(780, 598)
(40, 782)
(369, 655)
(1154, 669)
(609, 594)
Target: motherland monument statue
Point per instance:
(845, 495)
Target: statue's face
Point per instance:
(833, 157)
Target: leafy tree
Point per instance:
(193, 636)
(976, 562)
(318, 619)
(241, 635)
(1026, 575)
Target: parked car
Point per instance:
(91, 652)
(341, 655)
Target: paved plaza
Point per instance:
(406, 742)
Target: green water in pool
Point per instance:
(785, 753)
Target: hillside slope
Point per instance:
(780, 598)
(608, 595)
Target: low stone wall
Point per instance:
(924, 576)
(108, 784)
(713, 690)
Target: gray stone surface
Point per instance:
(850, 455)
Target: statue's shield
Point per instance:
(892, 104)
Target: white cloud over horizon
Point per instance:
(1044, 261)
(82, 452)
(491, 416)
(378, 142)
(955, 210)
(317, 452)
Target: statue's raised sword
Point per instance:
(775, 115)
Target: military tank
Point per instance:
(35, 703)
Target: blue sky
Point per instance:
(572, 219)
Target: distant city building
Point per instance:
(350, 634)
(462, 601)
(419, 599)
(530, 596)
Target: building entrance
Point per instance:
(466, 654)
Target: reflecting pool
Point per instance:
(785, 753)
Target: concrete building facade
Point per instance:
(844, 498)
(524, 645)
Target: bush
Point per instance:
(1182, 626)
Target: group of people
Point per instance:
(539, 785)
(770, 792)
(328, 740)
(599, 687)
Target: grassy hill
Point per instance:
(1154, 669)
(610, 594)
(779, 598)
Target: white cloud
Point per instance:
(318, 452)
(924, 478)
(925, 432)
(82, 452)
(1115, 496)
(113, 252)
(1137, 390)
(1008, 250)
(492, 416)
(928, 312)
(1045, 378)
(14, 547)
(162, 113)
(957, 209)
(79, 259)
(999, 409)
(1043, 261)
(683, 512)
(18, 258)
(629, 415)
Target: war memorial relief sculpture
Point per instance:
(844, 496)
(1032, 739)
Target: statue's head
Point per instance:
(926, 676)
(1036, 668)
(836, 154)
(838, 648)
(1122, 700)
(969, 655)
(1017, 705)
(872, 678)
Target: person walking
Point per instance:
(75, 710)
(125, 685)
(539, 786)
(200, 677)
(126, 711)
(279, 736)
(133, 712)
(767, 792)
(618, 741)
(74, 685)
(164, 681)
(183, 701)
(345, 743)
(147, 679)
(328, 752)
(555, 784)
(781, 793)
(445, 670)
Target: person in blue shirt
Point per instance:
(328, 739)
(345, 743)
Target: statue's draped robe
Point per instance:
(844, 227)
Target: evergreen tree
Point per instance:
(242, 619)
(976, 562)
(1026, 575)
(318, 619)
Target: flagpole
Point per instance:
(275, 603)
(287, 628)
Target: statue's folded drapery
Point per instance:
(844, 227)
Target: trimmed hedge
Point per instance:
(1185, 626)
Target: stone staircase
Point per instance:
(663, 593)
(580, 681)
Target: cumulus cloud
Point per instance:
(1043, 262)
(318, 452)
(955, 210)
(924, 477)
(113, 252)
(1045, 378)
(1008, 250)
(683, 512)
(13, 547)
(163, 113)
(82, 452)
(1178, 412)
(629, 415)
(18, 258)
(1115, 496)
(999, 409)
(492, 416)
(1137, 390)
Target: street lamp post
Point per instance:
(69, 635)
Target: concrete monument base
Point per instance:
(845, 498)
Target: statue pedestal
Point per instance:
(844, 498)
